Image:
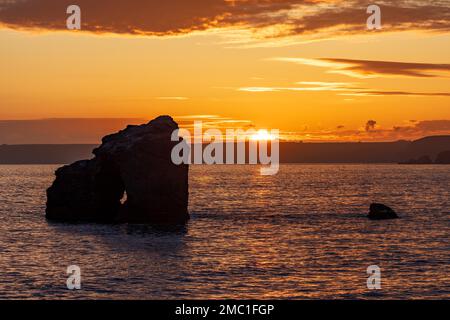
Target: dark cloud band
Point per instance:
(169, 17)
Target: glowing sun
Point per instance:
(262, 134)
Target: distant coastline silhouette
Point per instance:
(290, 152)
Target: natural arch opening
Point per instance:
(124, 198)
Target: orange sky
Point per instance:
(313, 72)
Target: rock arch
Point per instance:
(135, 160)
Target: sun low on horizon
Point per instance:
(310, 69)
(263, 135)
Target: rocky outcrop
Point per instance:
(420, 160)
(380, 211)
(443, 158)
(130, 179)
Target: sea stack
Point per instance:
(380, 211)
(135, 161)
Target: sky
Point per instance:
(311, 69)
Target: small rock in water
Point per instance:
(380, 211)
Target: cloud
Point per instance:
(172, 98)
(396, 93)
(262, 89)
(327, 86)
(91, 130)
(411, 131)
(433, 125)
(150, 17)
(305, 86)
(372, 68)
(370, 125)
(212, 121)
(271, 18)
(61, 131)
(69, 131)
(350, 16)
(343, 88)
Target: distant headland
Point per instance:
(426, 150)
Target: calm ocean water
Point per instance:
(299, 234)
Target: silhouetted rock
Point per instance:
(424, 160)
(431, 146)
(136, 160)
(443, 157)
(83, 192)
(379, 211)
(420, 160)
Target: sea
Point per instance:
(300, 234)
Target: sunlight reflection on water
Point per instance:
(299, 234)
